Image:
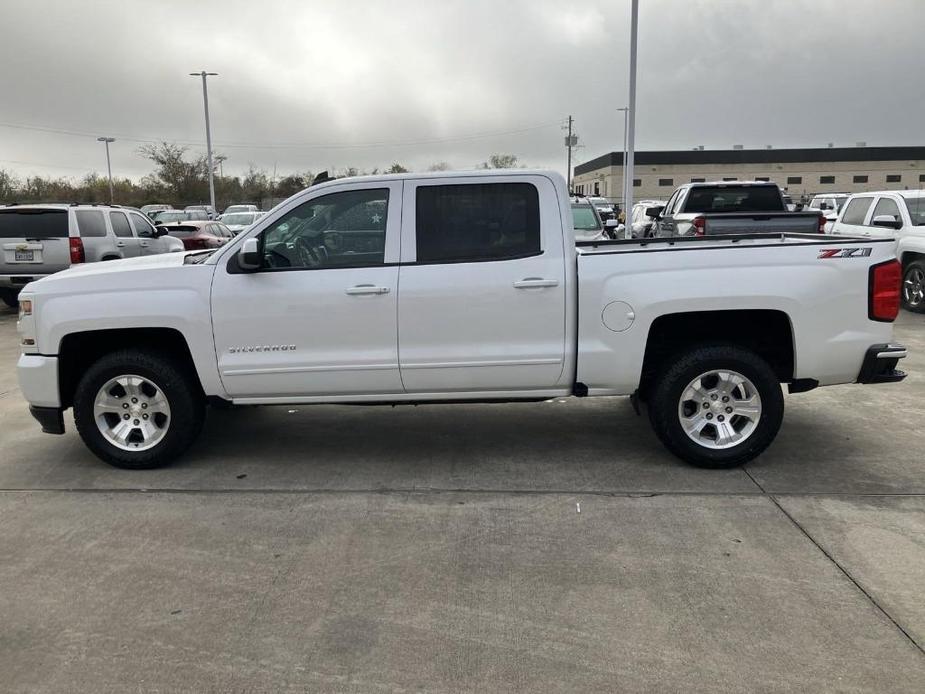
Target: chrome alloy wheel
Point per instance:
(131, 413)
(719, 409)
(914, 287)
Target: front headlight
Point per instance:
(26, 326)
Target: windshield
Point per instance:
(584, 219)
(916, 208)
(734, 199)
(239, 219)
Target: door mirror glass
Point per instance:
(655, 212)
(886, 220)
(249, 255)
(612, 224)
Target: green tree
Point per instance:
(396, 169)
(500, 161)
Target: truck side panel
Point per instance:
(825, 300)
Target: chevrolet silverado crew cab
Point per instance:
(731, 207)
(450, 288)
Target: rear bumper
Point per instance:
(879, 365)
(17, 282)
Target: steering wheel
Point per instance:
(312, 256)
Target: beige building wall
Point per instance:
(798, 179)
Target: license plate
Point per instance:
(24, 256)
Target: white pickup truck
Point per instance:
(450, 288)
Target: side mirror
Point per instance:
(159, 231)
(249, 255)
(655, 212)
(888, 221)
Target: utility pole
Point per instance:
(205, 100)
(107, 140)
(631, 116)
(625, 110)
(570, 141)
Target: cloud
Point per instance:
(311, 85)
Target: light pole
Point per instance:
(631, 114)
(205, 101)
(107, 140)
(625, 110)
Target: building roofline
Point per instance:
(755, 156)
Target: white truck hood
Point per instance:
(112, 267)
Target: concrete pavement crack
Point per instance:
(828, 555)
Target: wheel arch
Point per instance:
(79, 350)
(767, 332)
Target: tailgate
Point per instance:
(33, 242)
(759, 223)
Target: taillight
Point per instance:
(194, 244)
(700, 225)
(77, 250)
(822, 221)
(884, 287)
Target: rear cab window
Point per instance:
(33, 224)
(474, 222)
(713, 199)
(90, 223)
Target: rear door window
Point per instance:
(90, 223)
(473, 222)
(120, 225)
(856, 211)
(33, 224)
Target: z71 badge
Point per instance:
(845, 252)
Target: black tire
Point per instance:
(10, 298)
(187, 407)
(911, 269)
(666, 394)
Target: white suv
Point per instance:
(39, 240)
(897, 214)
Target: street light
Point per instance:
(631, 113)
(205, 100)
(107, 140)
(625, 110)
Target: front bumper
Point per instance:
(38, 380)
(879, 365)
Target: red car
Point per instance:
(197, 236)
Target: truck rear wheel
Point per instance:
(914, 287)
(137, 409)
(717, 406)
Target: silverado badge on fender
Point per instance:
(262, 348)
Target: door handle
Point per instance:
(366, 289)
(531, 282)
(144, 243)
(120, 244)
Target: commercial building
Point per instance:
(801, 172)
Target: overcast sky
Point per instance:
(310, 84)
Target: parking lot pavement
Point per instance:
(442, 548)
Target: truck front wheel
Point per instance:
(717, 406)
(137, 409)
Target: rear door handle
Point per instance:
(144, 243)
(366, 289)
(531, 282)
(120, 244)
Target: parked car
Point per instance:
(829, 205)
(233, 209)
(643, 226)
(151, 210)
(39, 240)
(605, 208)
(898, 215)
(724, 207)
(197, 236)
(208, 209)
(171, 216)
(239, 221)
(588, 223)
(453, 287)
